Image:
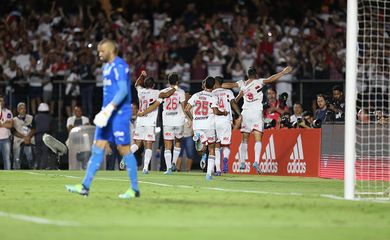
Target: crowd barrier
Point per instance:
(285, 152)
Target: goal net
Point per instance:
(372, 129)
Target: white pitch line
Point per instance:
(37, 220)
(329, 196)
(184, 186)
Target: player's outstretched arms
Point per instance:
(275, 77)
(230, 85)
(168, 93)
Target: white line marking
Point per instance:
(379, 200)
(37, 220)
(222, 189)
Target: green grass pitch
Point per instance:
(35, 205)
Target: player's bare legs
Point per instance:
(258, 136)
(210, 161)
(168, 156)
(226, 153)
(176, 153)
(147, 156)
(218, 159)
(243, 149)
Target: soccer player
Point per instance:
(173, 120)
(112, 122)
(201, 109)
(146, 122)
(252, 113)
(223, 124)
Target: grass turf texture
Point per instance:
(272, 210)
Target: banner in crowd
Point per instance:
(285, 152)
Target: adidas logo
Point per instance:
(297, 162)
(269, 166)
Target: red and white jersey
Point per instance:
(202, 110)
(253, 95)
(224, 97)
(173, 114)
(146, 98)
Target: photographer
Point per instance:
(323, 113)
(274, 108)
(297, 112)
(337, 103)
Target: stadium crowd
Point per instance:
(50, 56)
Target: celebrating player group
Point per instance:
(210, 112)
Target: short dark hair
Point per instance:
(321, 95)
(338, 88)
(149, 82)
(210, 82)
(272, 88)
(173, 78)
(252, 72)
(306, 113)
(219, 79)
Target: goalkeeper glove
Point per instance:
(102, 117)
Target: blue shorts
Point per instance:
(187, 145)
(117, 130)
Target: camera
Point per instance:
(285, 121)
(269, 123)
(316, 123)
(283, 99)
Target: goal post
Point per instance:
(350, 100)
(367, 115)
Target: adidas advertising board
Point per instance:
(285, 152)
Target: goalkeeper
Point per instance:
(112, 122)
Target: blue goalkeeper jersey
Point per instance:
(113, 73)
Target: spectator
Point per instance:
(43, 123)
(6, 124)
(298, 110)
(214, 64)
(77, 119)
(337, 104)
(273, 108)
(72, 90)
(86, 84)
(322, 113)
(35, 79)
(24, 131)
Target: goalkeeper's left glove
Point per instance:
(103, 116)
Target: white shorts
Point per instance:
(224, 131)
(206, 135)
(172, 132)
(144, 133)
(252, 120)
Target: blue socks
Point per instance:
(93, 165)
(131, 166)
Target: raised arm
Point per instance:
(275, 77)
(142, 76)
